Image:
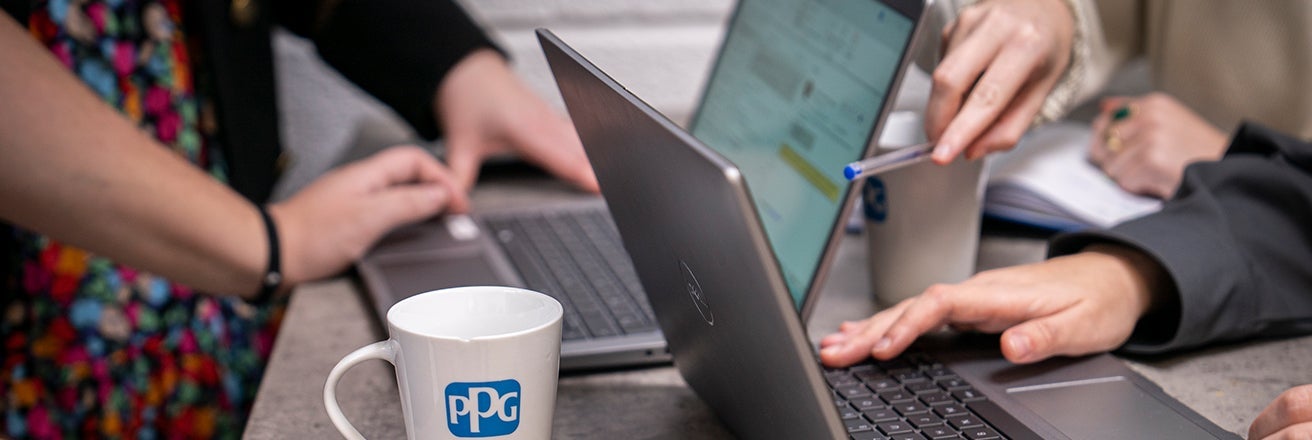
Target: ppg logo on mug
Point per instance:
(482, 409)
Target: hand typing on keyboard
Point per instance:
(1074, 305)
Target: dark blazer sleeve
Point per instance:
(1236, 240)
(397, 50)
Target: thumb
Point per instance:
(1037, 339)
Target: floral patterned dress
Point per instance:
(92, 348)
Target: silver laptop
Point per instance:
(814, 72)
(568, 250)
(722, 295)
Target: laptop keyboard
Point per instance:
(909, 398)
(576, 257)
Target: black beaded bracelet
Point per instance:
(273, 274)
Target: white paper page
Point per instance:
(1051, 162)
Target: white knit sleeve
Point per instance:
(1082, 78)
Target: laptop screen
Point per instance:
(793, 98)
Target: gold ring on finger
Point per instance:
(1113, 140)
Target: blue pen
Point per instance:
(888, 161)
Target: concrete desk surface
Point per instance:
(326, 320)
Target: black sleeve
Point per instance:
(1236, 240)
(397, 50)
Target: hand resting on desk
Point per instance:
(1072, 305)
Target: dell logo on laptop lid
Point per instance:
(695, 291)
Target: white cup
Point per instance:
(922, 221)
(476, 362)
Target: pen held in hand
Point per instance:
(888, 161)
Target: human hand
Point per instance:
(1287, 417)
(1146, 148)
(1002, 58)
(1072, 305)
(485, 109)
(335, 219)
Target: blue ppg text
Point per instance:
(482, 409)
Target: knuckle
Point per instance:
(987, 94)
(1158, 162)
(938, 292)
(936, 298)
(945, 78)
(1295, 404)
(1043, 335)
(1028, 36)
(1148, 153)
(1157, 138)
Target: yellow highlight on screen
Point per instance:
(809, 172)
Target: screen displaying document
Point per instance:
(794, 98)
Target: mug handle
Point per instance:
(385, 350)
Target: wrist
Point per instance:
(272, 279)
(474, 67)
(279, 273)
(1134, 272)
(289, 233)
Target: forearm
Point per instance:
(76, 170)
(1234, 243)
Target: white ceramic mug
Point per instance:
(922, 221)
(471, 362)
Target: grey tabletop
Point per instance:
(328, 319)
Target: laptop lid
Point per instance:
(799, 90)
(689, 223)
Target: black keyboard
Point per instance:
(576, 257)
(911, 397)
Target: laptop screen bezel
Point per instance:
(911, 9)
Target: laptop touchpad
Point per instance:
(414, 274)
(1115, 408)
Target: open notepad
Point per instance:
(1047, 181)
